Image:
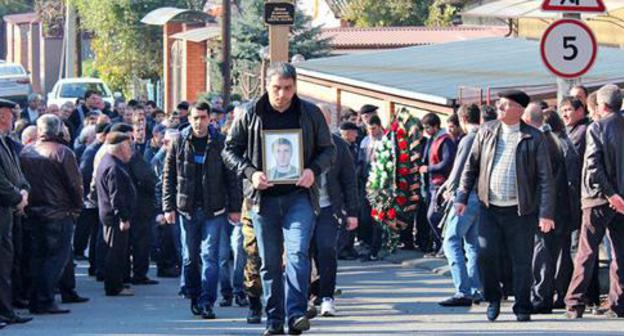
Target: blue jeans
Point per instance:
(200, 240)
(324, 252)
(462, 234)
(51, 249)
(231, 245)
(285, 221)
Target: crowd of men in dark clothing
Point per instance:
(518, 199)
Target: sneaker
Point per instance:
(311, 312)
(328, 307)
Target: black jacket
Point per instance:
(116, 194)
(603, 171)
(577, 135)
(533, 170)
(243, 149)
(342, 181)
(12, 180)
(145, 181)
(86, 164)
(221, 186)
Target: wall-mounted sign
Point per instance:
(279, 13)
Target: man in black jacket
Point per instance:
(510, 166)
(13, 201)
(339, 207)
(116, 196)
(198, 186)
(602, 189)
(282, 213)
(55, 203)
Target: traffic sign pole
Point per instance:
(565, 85)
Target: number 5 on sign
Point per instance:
(568, 48)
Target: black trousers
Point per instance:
(563, 273)
(19, 259)
(116, 259)
(6, 266)
(424, 237)
(140, 238)
(67, 283)
(501, 228)
(85, 228)
(545, 254)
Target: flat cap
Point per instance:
(114, 138)
(121, 127)
(102, 127)
(5, 103)
(349, 126)
(368, 108)
(516, 95)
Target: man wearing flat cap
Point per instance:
(13, 201)
(116, 197)
(510, 166)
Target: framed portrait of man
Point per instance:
(282, 155)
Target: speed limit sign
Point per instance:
(568, 48)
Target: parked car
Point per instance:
(70, 89)
(14, 83)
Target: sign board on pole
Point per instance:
(595, 6)
(279, 13)
(568, 48)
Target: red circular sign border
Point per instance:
(594, 50)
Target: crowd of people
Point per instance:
(516, 197)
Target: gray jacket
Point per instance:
(463, 152)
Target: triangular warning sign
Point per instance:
(574, 6)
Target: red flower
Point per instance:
(401, 200)
(374, 213)
(403, 145)
(403, 158)
(403, 171)
(401, 133)
(395, 126)
(391, 214)
(382, 216)
(403, 185)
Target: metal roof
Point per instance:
(199, 34)
(163, 15)
(434, 73)
(30, 17)
(508, 9)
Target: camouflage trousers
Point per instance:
(253, 283)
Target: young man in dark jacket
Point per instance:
(116, 196)
(198, 186)
(282, 213)
(55, 203)
(510, 166)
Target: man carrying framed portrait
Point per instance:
(277, 135)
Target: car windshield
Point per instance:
(75, 90)
(11, 70)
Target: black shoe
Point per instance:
(241, 300)
(143, 281)
(80, 257)
(254, 316)
(541, 310)
(369, 257)
(559, 304)
(208, 314)
(455, 301)
(52, 310)
(273, 330)
(20, 303)
(299, 324)
(226, 301)
(493, 310)
(311, 312)
(523, 317)
(171, 272)
(91, 271)
(195, 308)
(15, 319)
(348, 255)
(73, 297)
(574, 312)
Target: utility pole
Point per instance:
(226, 53)
(70, 40)
(78, 63)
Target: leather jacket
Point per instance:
(603, 169)
(55, 179)
(243, 148)
(533, 170)
(342, 180)
(221, 186)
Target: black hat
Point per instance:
(217, 110)
(183, 106)
(102, 127)
(516, 95)
(368, 108)
(348, 126)
(114, 138)
(121, 127)
(5, 103)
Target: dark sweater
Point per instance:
(115, 191)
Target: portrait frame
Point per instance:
(269, 163)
